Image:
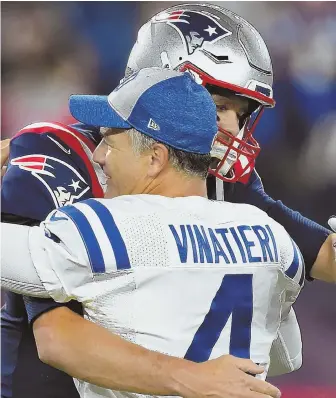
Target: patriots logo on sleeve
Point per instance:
(194, 27)
(63, 182)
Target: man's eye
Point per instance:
(221, 107)
(107, 144)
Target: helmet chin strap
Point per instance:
(219, 150)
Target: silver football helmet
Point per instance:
(219, 48)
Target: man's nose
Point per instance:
(228, 120)
(99, 154)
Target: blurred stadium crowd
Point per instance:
(53, 49)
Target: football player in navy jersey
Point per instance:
(228, 56)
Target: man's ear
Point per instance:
(159, 159)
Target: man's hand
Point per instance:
(324, 267)
(4, 154)
(224, 377)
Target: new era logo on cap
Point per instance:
(152, 125)
(151, 101)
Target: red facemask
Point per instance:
(236, 155)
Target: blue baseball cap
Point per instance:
(164, 104)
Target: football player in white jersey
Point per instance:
(97, 363)
(156, 262)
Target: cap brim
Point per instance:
(95, 111)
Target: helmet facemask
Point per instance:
(234, 156)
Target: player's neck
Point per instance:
(177, 186)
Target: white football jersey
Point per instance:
(188, 277)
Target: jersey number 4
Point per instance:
(234, 296)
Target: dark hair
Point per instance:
(191, 164)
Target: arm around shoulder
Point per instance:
(91, 353)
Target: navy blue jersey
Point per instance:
(49, 166)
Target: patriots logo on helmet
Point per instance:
(194, 27)
(63, 182)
